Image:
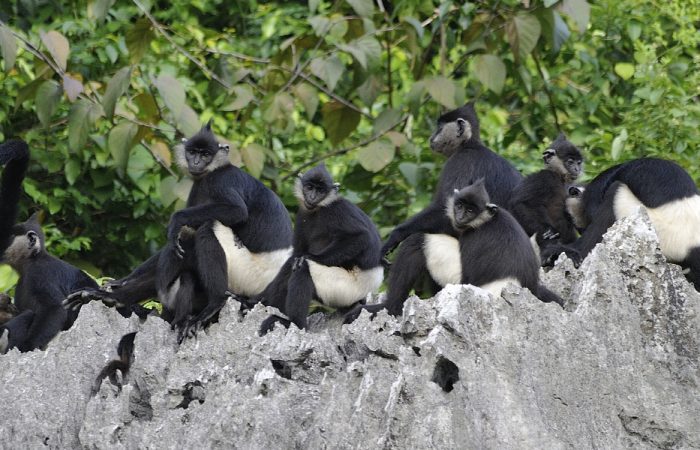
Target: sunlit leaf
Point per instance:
(72, 171)
(116, 87)
(162, 152)
(172, 92)
(579, 10)
(9, 47)
(188, 121)
(397, 138)
(442, 90)
(328, 69)
(243, 96)
(376, 155)
(254, 158)
(363, 8)
(97, 9)
(490, 70)
(138, 39)
(308, 96)
(167, 191)
(523, 31)
(365, 50)
(82, 115)
(72, 87)
(624, 70)
(120, 142)
(58, 46)
(339, 121)
(140, 162)
(48, 95)
(618, 144)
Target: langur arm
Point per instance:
(342, 248)
(431, 220)
(229, 209)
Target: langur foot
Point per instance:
(269, 324)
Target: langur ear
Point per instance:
(224, 147)
(208, 125)
(461, 126)
(548, 154)
(184, 140)
(492, 208)
(336, 186)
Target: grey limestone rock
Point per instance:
(618, 368)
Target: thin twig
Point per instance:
(552, 106)
(184, 52)
(240, 56)
(158, 158)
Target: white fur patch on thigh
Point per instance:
(167, 298)
(495, 287)
(248, 273)
(443, 259)
(677, 223)
(339, 287)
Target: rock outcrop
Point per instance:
(619, 367)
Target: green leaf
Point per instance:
(97, 9)
(370, 89)
(173, 94)
(72, 87)
(47, 97)
(278, 111)
(523, 31)
(375, 156)
(116, 87)
(308, 97)
(58, 46)
(254, 158)
(548, 3)
(339, 121)
(82, 115)
(188, 121)
(9, 47)
(313, 5)
(442, 90)
(490, 70)
(120, 141)
(410, 171)
(320, 24)
(138, 39)
(579, 11)
(140, 162)
(624, 70)
(560, 33)
(618, 144)
(365, 50)
(363, 8)
(328, 69)
(72, 170)
(244, 95)
(386, 120)
(634, 30)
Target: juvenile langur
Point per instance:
(492, 250)
(233, 235)
(574, 207)
(457, 136)
(125, 350)
(7, 309)
(664, 189)
(539, 201)
(336, 254)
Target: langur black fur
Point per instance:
(7, 309)
(233, 235)
(336, 254)
(492, 250)
(14, 155)
(44, 281)
(458, 137)
(125, 350)
(664, 189)
(539, 202)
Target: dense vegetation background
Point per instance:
(102, 90)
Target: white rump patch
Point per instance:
(339, 287)
(443, 259)
(248, 273)
(677, 223)
(495, 287)
(168, 298)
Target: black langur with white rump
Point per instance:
(233, 235)
(664, 189)
(492, 250)
(539, 202)
(458, 137)
(336, 254)
(44, 281)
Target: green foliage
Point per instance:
(104, 92)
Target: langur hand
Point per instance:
(550, 234)
(298, 262)
(77, 299)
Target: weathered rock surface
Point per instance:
(619, 368)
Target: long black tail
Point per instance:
(125, 349)
(548, 296)
(14, 154)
